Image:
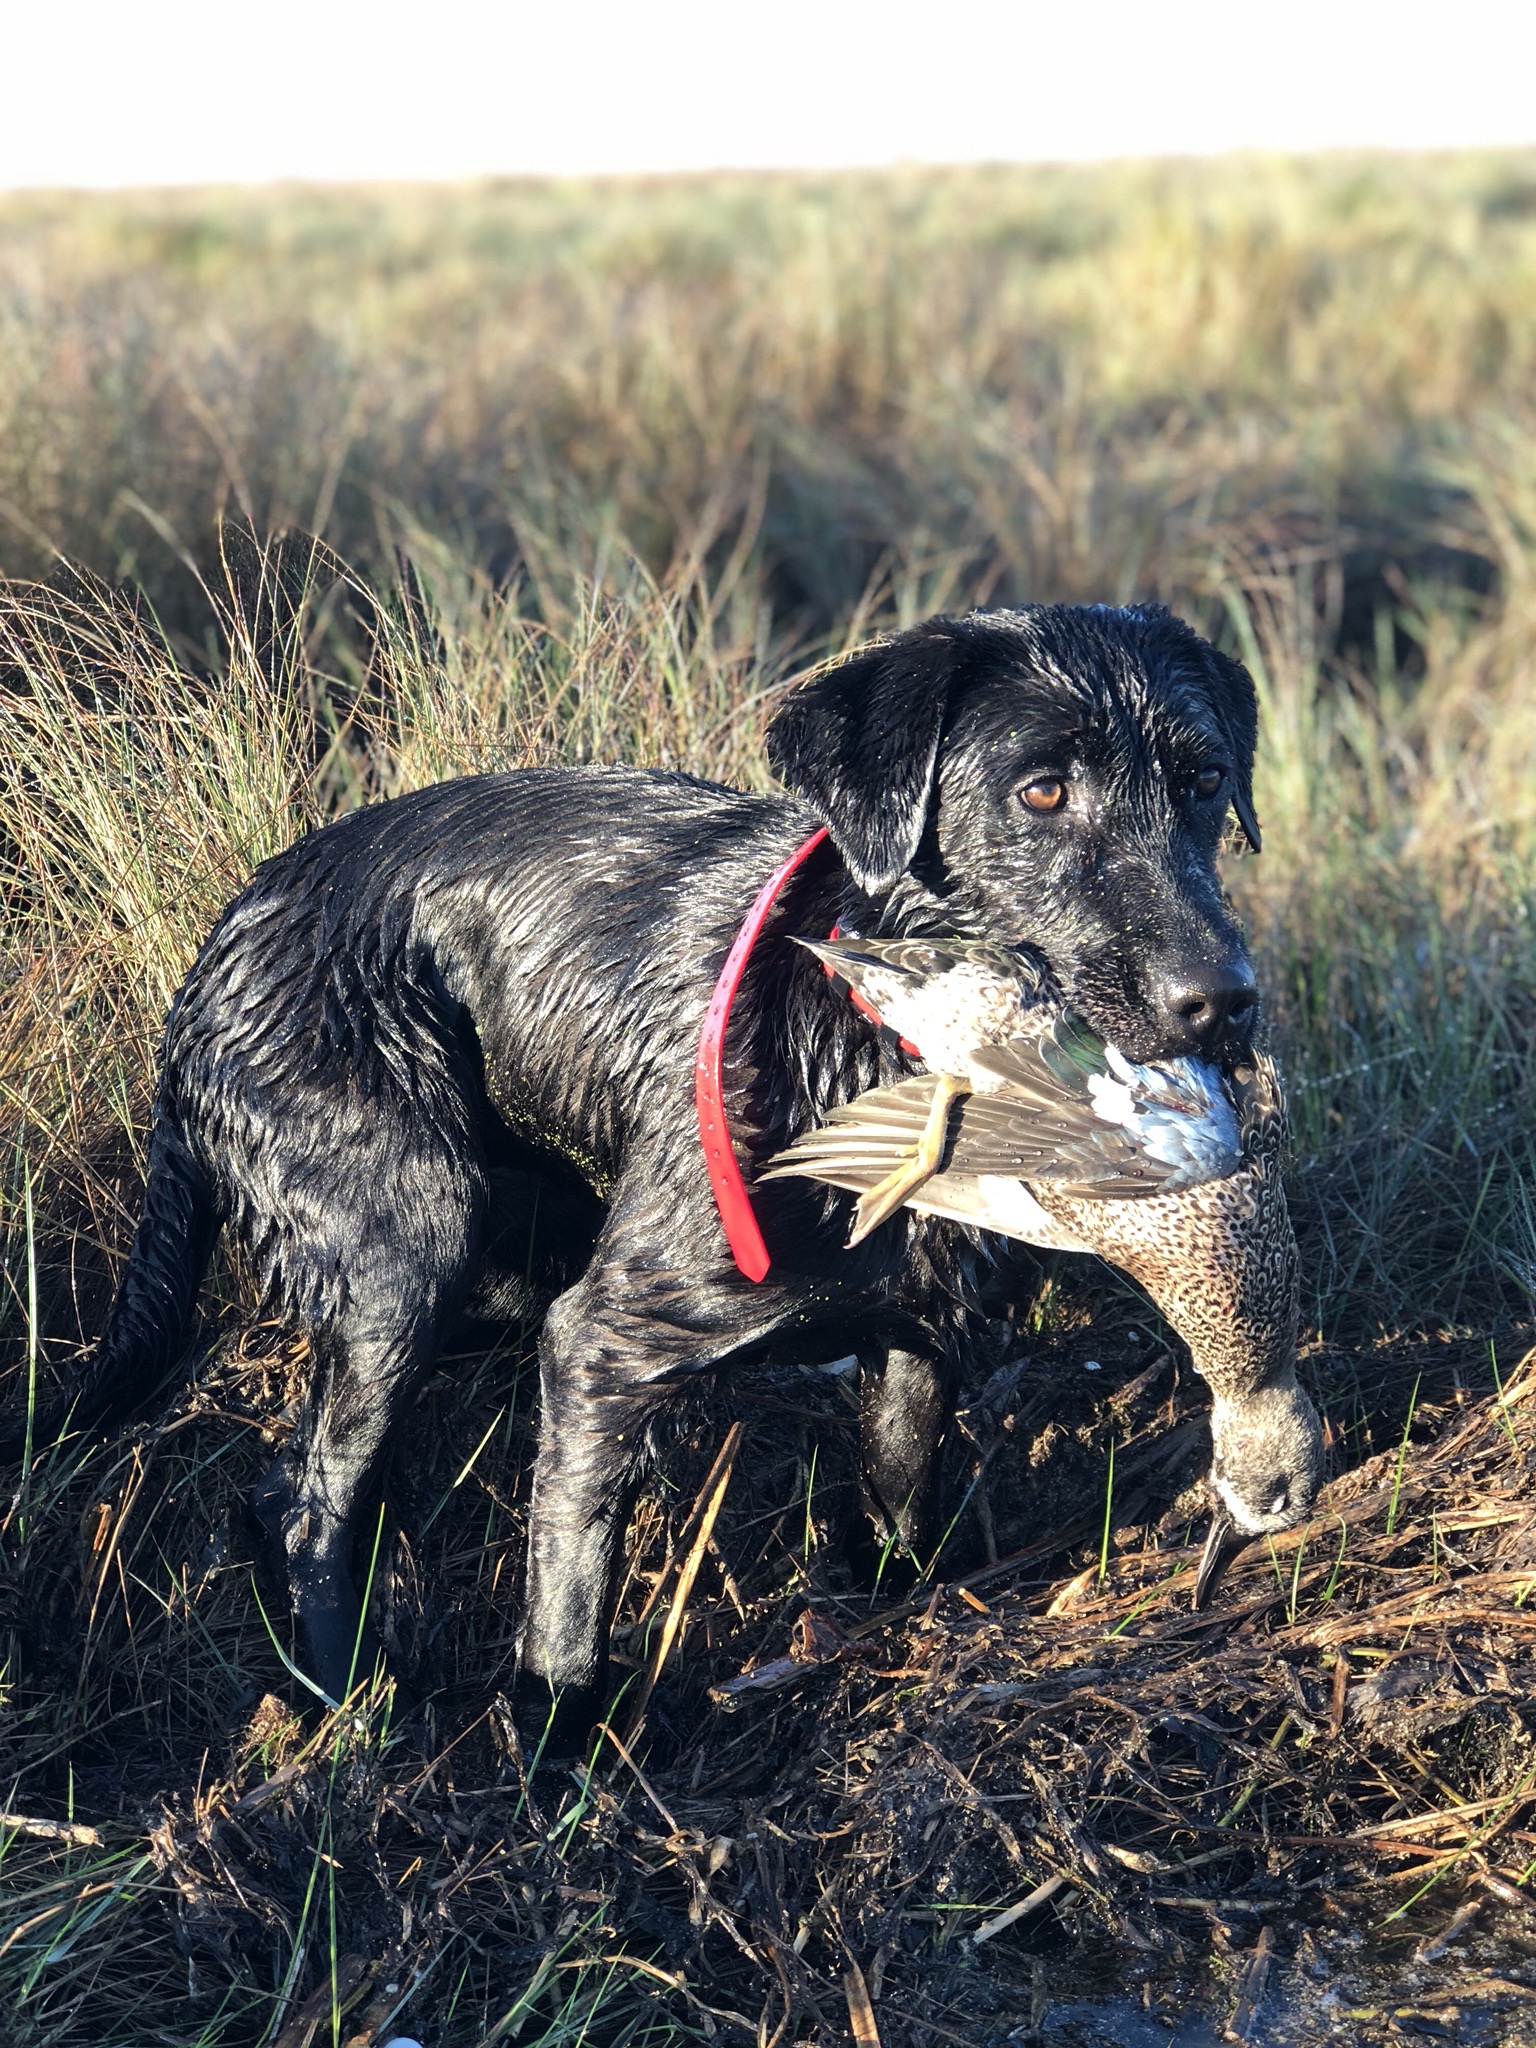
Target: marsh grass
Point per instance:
(592, 471)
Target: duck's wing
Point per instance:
(864, 1140)
(1065, 1147)
(1182, 1117)
(1031, 1136)
(1042, 1073)
(1035, 1117)
(853, 957)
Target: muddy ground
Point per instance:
(1033, 1797)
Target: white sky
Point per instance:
(176, 91)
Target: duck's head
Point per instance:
(1266, 1467)
(1267, 1461)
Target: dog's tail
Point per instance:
(147, 1323)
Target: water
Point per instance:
(1350, 1975)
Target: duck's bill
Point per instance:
(1221, 1546)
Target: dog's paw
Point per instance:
(556, 1724)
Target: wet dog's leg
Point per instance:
(367, 1368)
(616, 1349)
(905, 1402)
(406, 1261)
(594, 1426)
(588, 1471)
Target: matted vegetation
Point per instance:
(603, 466)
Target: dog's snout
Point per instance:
(1206, 1009)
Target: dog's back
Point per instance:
(395, 997)
(538, 939)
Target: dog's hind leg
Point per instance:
(408, 1268)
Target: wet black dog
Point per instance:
(511, 971)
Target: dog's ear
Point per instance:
(1237, 706)
(859, 740)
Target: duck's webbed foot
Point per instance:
(887, 1195)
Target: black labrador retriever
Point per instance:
(513, 971)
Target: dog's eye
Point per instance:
(1045, 793)
(1208, 783)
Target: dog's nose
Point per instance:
(1197, 1011)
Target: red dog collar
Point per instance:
(731, 1198)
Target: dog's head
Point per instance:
(1059, 777)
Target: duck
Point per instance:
(1044, 1097)
(1027, 1123)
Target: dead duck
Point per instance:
(1197, 1216)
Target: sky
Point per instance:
(183, 91)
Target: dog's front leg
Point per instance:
(634, 1333)
(601, 1386)
(905, 1403)
(588, 1470)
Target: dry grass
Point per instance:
(1186, 1805)
(604, 465)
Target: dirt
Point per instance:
(1244, 1824)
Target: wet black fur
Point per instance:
(506, 975)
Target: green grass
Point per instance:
(594, 468)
